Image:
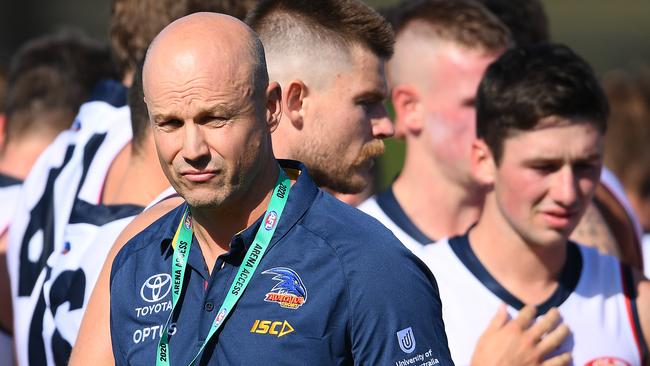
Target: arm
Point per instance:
(642, 285)
(6, 313)
(521, 341)
(6, 305)
(93, 345)
(397, 314)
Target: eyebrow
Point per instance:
(590, 158)
(371, 94)
(220, 109)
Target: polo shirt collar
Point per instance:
(301, 196)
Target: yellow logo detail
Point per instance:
(276, 328)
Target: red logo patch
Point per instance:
(607, 361)
(271, 220)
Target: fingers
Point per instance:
(525, 317)
(553, 339)
(563, 359)
(545, 324)
(498, 320)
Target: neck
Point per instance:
(17, 159)
(529, 271)
(438, 207)
(215, 227)
(283, 139)
(135, 177)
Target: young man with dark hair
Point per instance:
(608, 223)
(277, 270)
(541, 119)
(329, 57)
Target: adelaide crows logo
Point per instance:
(289, 292)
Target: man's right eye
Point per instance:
(170, 123)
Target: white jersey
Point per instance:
(592, 299)
(56, 216)
(614, 186)
(385, 208)
(82, 260)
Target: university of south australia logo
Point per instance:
(406, 340)
(289, 292)
(156, 287)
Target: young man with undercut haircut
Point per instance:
(541, 119)
(329, 57)
(258, 265)
(442, 49)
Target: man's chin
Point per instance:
(348, 186)
(353, 185)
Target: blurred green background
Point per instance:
(610, 34)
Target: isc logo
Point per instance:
(276, 328)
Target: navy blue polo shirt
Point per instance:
(334, 288)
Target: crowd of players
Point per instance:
(104, 153)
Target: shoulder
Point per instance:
(371, 207)
(146, 230)
(595, 263)
(371, 257)
(352, 234)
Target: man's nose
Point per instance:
(382, 126)
(194, 145)
(565, 189)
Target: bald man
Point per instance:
(257, 265)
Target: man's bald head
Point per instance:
(205, 41)
(212, 109)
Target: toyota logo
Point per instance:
(156, 287)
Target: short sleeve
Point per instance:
(396, 313)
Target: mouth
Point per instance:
(199, 176)
(559, 219)
(368, 154)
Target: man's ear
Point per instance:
(408, 110)
(273, 105)
(294, 102)
(483, 166)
